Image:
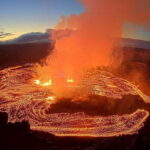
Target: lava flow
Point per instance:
(24, 99)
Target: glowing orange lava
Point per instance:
(51, 98)
(23, 100)
(70, 80)
(38, 82)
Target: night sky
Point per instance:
(24, 16)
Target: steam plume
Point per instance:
(94, 30)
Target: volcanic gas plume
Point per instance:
(92, 33)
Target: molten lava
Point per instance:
(38, 82)
(70, 80)
(51, 98)
(24, 100)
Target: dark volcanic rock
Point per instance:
(3, 118)
(19, 54)
(100, 105)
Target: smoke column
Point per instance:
(91, 41)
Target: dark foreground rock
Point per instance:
(18, 136)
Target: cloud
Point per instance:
(33, 37)
(4, 34)
(38, 37)
(57, 34)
